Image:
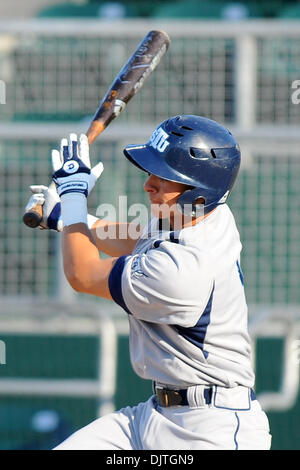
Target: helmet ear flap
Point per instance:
(186, 203)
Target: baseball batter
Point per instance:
(180, 284)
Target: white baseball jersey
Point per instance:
(184, 295)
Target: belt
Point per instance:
(168, 397)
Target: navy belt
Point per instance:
(167, 397)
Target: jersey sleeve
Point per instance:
(171, 284)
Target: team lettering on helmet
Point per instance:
(158, 140)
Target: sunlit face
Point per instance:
(163, 195)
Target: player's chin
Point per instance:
(158, 210)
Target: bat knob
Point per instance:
(32, 218)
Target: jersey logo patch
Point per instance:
(158, 140)
(136, 267)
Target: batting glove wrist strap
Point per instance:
(73, 187)
(73, 209)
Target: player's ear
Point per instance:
(199, 201)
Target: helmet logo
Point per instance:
(158, 140)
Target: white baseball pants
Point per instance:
(225, 424)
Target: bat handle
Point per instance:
(33, 217)
(94, 130)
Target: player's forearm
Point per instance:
(114, 238)
(78, 251)
(75, 179)
(85, 271)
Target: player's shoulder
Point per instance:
(176, 255)
(173, 269)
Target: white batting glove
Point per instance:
(49, 199)
(72, 167)
(74, 177)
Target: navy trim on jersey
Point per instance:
(156, 243)
(115, 282)
(196, 334)
(240, 272)
(172, 239)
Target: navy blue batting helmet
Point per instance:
(194, 151)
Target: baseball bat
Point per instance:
(126, 84)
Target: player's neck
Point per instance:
(180, 221)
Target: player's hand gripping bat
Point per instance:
(129, 80)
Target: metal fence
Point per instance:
(265, 202)
(240, 74)
(234, 72)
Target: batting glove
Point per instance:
(72, 167)
(74, 177)
(51, 208)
